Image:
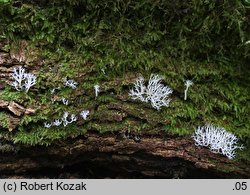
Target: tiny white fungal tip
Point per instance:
(57, 122)
(84, 114)
(65, 115)
(65, 101)
(52, 91)
(97, 90)
(47, 125)
(67, 121)
(247, 42)
(70, 83)
(73, 118)
(188, 83)
(103, 71)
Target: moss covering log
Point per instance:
(111, 44)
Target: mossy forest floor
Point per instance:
(111, 44)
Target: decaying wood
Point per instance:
(13, 122)
(16, 111)
(151, 157)
(4, 104)
(148, 155)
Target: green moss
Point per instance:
(105, 127)
(39, 135)
(4, 122)
(10, 94)
(199, 40)
(108, 115)
(125, 125)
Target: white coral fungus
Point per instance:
(22, 80)
(155, 93)
(188, 83)
(218, 140)
(70, 83)
(47, 125)
(67, 120)
(57, 122)
(84, 114)
(97, 90)
(65, 101)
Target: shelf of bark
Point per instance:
(120, 156)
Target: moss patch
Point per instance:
(112, 43)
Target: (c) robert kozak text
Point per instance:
(52, 186)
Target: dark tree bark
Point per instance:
(111, 155)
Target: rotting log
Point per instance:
(117, 156)
(122, 153)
